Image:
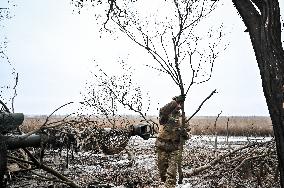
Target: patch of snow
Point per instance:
(186, 185)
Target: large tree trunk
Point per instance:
(264, 28)
(3, 161)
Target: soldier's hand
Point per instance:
(184, 134)
(172, 120)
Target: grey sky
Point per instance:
(54, 49)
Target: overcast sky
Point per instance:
(53, 49)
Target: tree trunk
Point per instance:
(3, 161)
(179, 163)
(264, 28)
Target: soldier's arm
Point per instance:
(165, 112)
(168, 108)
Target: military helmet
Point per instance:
(179, 98)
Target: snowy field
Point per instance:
(136, 166)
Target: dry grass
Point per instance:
(237, 126)
(201, 125)
(32, 123)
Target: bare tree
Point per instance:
(170, 37)
(104, 8)
(8, 87)
(262, 19)
(4, 61)
(173, 43)
(108, 96)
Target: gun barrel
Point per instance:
(21, 141)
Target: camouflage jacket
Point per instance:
(170, 122)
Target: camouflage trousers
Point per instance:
(168, 164)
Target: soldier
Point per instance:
(170, 137)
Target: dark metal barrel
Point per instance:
(23, 141)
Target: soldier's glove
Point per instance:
(183, 134)
(172, 121)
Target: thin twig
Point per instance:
(44, 124)
(15, 91)
(247, 159)
(218, 159)
(215, 130)
(51, 171)
(20, 160)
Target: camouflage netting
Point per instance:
(89, 137)
(113, 141)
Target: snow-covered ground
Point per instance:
(136, 166)
(223, 141)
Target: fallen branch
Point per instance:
(20, 160)
(44, 178)
(195, 171)
(247, 159)
(51, 171)
(37, 139)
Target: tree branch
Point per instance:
(51, 171)
(200, 106)
(5, 107)
(46, 121)
(218, 159)
(15, 91)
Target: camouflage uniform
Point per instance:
(168, 143)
